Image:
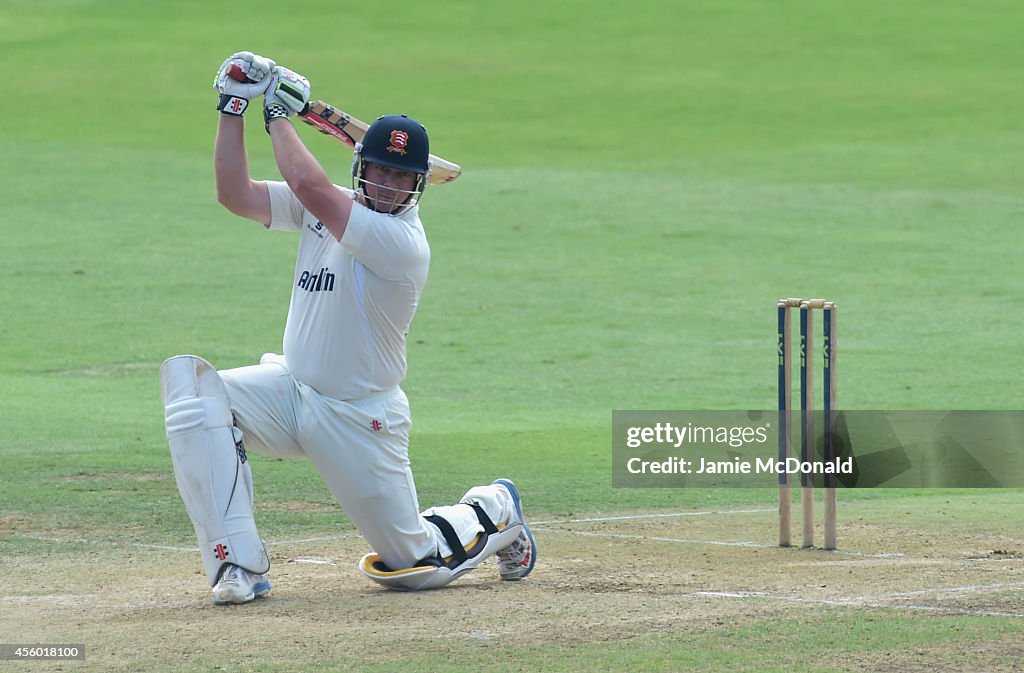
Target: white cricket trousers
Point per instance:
(360, 448)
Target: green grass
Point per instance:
(641, 183)
(826, 644)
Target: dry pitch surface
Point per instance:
(599, 579)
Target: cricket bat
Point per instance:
(349, 130)
(345, 128)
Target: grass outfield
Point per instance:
(642, 182)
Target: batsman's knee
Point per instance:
(194, 396)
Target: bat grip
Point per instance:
(236, 73)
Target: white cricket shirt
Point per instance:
(353, 300)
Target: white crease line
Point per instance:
(535, 525)
(876, 601)
(329, 538)
(955, 611)
(322, 538)
(141, 545)
(635, 517)
(70, 599)
(163, 547)
(881, 554)
(973, 588)
(624, 536)
(757, 545)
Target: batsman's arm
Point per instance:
(236, 191)
(307, 179)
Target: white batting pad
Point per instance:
(210, 465)
(429, 577)
(469, 527)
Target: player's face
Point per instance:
(387, 188)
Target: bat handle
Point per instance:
(236, 73)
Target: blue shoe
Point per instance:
(517, 560)
(238, 585)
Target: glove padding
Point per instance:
(287, 94)
(235, 95)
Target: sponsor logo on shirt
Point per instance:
(321, 281)
(317, 229)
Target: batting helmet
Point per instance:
(398, 142)
(394, 141)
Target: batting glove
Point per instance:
(235, 95)
(287, 94)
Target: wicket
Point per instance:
(807, 307)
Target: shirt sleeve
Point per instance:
(392, 247)
(285, 208)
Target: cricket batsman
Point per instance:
(334, 395)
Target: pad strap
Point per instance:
(485, 520)
(458, 551)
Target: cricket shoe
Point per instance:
(238, 585)
(517, 560)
